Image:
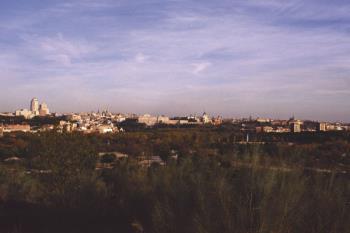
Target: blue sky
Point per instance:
(270, 58)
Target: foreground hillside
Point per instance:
(207, 181)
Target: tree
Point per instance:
(66, 163)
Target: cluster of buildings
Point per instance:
(188, 120)
(297, 126)
(106, 122)
(36, 109)
(14, 128)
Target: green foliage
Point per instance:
(66, 166)
(216, 184)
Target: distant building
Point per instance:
(147, 161)
(259, 129)
(172, 122)
(147, 120)
(16, 128)
(193, 119)
(282, 130)
(321, 126)
(330, 127)
(264, 129)
(263, 120)
(279, 122)
(104, 129)
(117, 155)
(217, 120)
(334, 127)
(73, 117)
(206, 118)
(7, 114)
(43, 110)
(183, 121)
(64, 126)
(295, 126)
(163, 120)
(25, 113)
(120, 118)
(47, 127)
(34, 106)
(35, 110)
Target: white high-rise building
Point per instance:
(34, 106)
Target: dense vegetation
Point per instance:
(36, 121)
(216, 184)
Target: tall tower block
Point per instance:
(34, 106)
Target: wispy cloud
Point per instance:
(141, 58)
(251, 56)
(199, 67)
(58, 49)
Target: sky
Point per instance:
(268, 58)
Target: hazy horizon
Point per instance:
(231, 58)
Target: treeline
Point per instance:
(211, 187)
(36, 121)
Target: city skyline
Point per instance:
(41, 109)
(231, 58)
